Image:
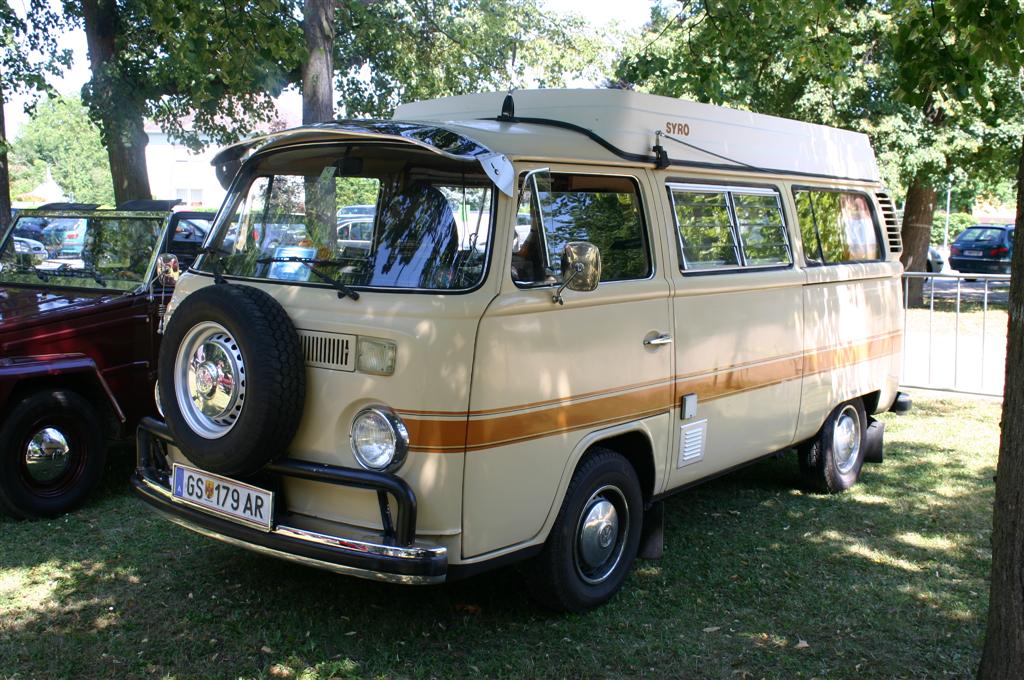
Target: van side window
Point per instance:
(721, 228)
(836, 227)
(605, 211)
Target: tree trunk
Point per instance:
(918, 214)
(318, 71)
(116, 104)
(318, 107)
(1003, 655)
(5, 174)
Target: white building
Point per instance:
(177, 172)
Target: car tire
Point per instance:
(592, 546)
(52, 454)
(232, 379)
(831, 461)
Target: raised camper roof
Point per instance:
(593, 124)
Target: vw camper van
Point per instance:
(572, 305)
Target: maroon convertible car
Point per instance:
(80, 304)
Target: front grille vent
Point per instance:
(329, 350)
(892, 225)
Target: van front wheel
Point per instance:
(595, 539)
(831, 461)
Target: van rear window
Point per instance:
(836, 227)
(722, 228)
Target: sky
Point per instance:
(629, 14)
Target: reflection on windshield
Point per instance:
(413, 228)
(80, 252)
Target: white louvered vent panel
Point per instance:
(892, 225)
(692, 441)
(329, 350)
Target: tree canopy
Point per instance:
(61, 137)
(30, 51)
(843, 64)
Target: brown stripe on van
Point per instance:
(507, 429)
(462, 431)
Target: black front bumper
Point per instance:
(394, 557)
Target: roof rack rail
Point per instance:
(69, 206)
(156, 204)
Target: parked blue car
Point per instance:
(983, 249)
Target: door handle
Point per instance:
(663, 339)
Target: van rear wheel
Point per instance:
(832, 460)
(595, 539)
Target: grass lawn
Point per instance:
(758, 580)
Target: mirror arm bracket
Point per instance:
(557, 297)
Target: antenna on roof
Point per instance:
(508, 109)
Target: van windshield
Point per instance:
(370, 217)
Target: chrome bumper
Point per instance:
(387, 560)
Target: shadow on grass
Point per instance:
(886, 580)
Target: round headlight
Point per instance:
(379, 439)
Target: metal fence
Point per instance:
(954, 333)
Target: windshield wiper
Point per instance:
(64, 270)
(311, 263)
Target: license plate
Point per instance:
(972, 253)
(222, 496)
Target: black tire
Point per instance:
(41, 487)
(825, 469)
(273, 379)
(556, 576)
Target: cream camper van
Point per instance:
(571, 304)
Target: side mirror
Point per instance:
(581, 268)
(167, 270)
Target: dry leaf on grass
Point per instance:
(712, 629)
(802, 644)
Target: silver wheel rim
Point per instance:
(846, 439)
(601, 534)
(209, 380)
(47, 455)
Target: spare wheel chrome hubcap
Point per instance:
(209, 380)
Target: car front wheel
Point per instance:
(52, 454)
(594, 541)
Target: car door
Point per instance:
(738, 318)
(548, 374)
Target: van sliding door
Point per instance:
(738, 316)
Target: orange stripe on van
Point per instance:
(477, 430)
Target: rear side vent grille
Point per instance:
(892, 225)
(329, 350)
(692, 440)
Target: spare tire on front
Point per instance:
(232, 379)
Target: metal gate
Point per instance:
(954, 337)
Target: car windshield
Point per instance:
(362, 217)
(96, 251)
